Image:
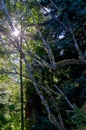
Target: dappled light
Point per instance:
(42, 65)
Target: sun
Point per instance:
(15, 33)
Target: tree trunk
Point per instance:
(33, 111)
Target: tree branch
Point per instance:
(64, 96)
(68, 62)
(47, 46)
(75, 43)
(7, 15)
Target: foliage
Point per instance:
(77, 118)
(52, 47)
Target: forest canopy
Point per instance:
(42, 64)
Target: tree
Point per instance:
(9, 97)
(56, 49)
